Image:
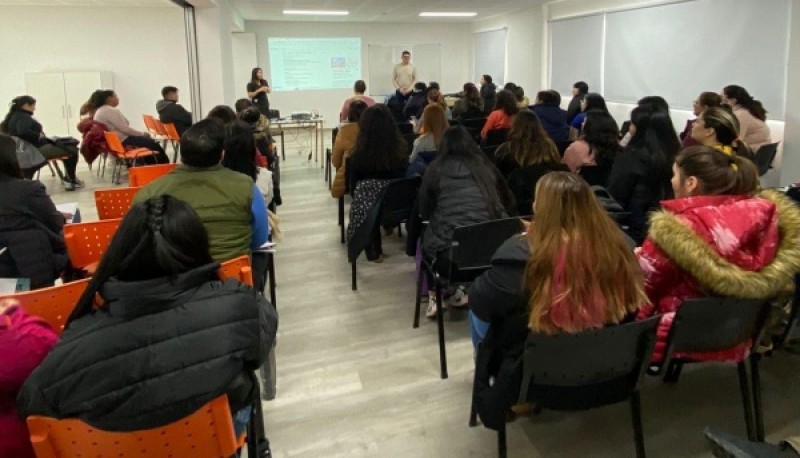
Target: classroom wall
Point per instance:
(143, 48)
(790, 168)
(456, 64)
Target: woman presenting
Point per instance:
(257, 90)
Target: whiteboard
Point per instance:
(381, 59)
(490, 52)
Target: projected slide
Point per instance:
(298, 64)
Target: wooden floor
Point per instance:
(354, 378)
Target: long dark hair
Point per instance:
(471, 95)
(718, 173)
(507, 101)
(379, 145)
(254, 76)
(100, 97)
(161, 237)
(595, 101)
(16, 105)
(746, 100)
(457, 144)
(601, 133)
(222, 112)
(528, 143)
(657, 144)
(9, 165)
(240, 149)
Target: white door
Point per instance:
(78, 86)
(51, 107)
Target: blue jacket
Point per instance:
(553, 119)
(420, 163)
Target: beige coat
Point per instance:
(345, 141)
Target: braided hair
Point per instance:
(161, 237)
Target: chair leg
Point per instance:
(418, 299)
(744, 386)
(673, 371)
(271, 276)
(473, 415)
(50, 166)
(502, 446)
(353, 273)
(440, 326)
(636, 416)
(758, 408)
(341, 217)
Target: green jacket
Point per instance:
(221, 198)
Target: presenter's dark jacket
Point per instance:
(171, 112)
(156, 352)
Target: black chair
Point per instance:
(573, 372)
(409, 138)
(717, 323)
(496, 137)
(470, 255)
(792, 320)
(764, 157)
(341, 199)
(405, 128)
(398, 201)
(490, 152)
(328, 167)
(474, 127)
(595, 175)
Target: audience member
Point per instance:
(434, 123)
(25, 341)
(31, 229)
(434, 96)
(579, 91)
(404, 74)
(257, 90)
(359, 88)
(167, 337)
(228, 203)
(379, 156)
(719, 237)
(522, 100)
(460, 187)
(552, 117)
(240, 156)
(591, 101)
(19, 122)
(598, 145)
(105, 103)
(488, 94)
(502, 115)
(416, 100)
(652, 103)
(640, 176)
(470, 105)
(548, 281)
(224, 113)
(704, 101)
(719, 128)
(753, 129)
(93, 143)
(343, 146)
(171, 112)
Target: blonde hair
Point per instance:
(434, 122)
(581, 272)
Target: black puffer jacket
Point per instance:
(450, 197)
(157, 352)
(21, 124)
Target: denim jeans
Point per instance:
(241, 419)
(478, 329)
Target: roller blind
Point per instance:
(490, 55)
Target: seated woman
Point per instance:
(720, 236)
(359, 89)
(460, 187)
(433, 97)
(598, 145)
(240, 156)
(434, 123)
(703, 102)
(222, 112)
(527, 141)
(345, 141)
(753, 129)
(548, 281)
(166, 338)
(25, 340)
(19, 122)
(488, 92)
(31, 229)
(105, 104)
(640, 176)
(470, 105)
(503, 114)
(266, 156)
(554, 120)
(379, 156)
(719, 129)
(591, 101)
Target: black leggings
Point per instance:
(149, 143)
(50, 151)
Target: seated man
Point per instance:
(171, 112)
(228, 203)
(552, 117)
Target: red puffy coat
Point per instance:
(734, 246)
(94, 140)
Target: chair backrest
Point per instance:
(595, 175)
(715, 323)
(143, 175)
(586, 369)
(764, 157)
(473, 246)
(238, 268)
(473, 123)
(87, 242)
(207, 433)
(490, 152)
(398, 200)
(52, 304)
(334, 134)
(405, 128)
(496, 137)
(410, 138)
(150, 124)
(114, 143)
(171, 132)
(114, 203)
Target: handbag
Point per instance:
(28, 156)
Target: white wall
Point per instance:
(524, 46)
(454, 39)
(245, 59)
(143, 48)
(790, 168)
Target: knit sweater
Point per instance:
(116, 122)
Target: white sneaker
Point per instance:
(430, 312)
(459, 298)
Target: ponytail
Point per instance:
(744, 99)
(719, 171)
(15, 105)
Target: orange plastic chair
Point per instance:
(174, 139)
(123, 156)
(238, 268)
(52, 304)
(207, 433)
(87, 242)
(114, 203)
(142, 175)
(152, 125)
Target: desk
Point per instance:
(316, 125)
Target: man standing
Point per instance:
(171, 112)
(579, 91)
(404, 75)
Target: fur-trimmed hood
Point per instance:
(723, 267)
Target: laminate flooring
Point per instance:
(355, 380)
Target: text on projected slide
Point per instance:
(314, 63)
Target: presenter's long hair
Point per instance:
(254, 76)
(379, 146)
